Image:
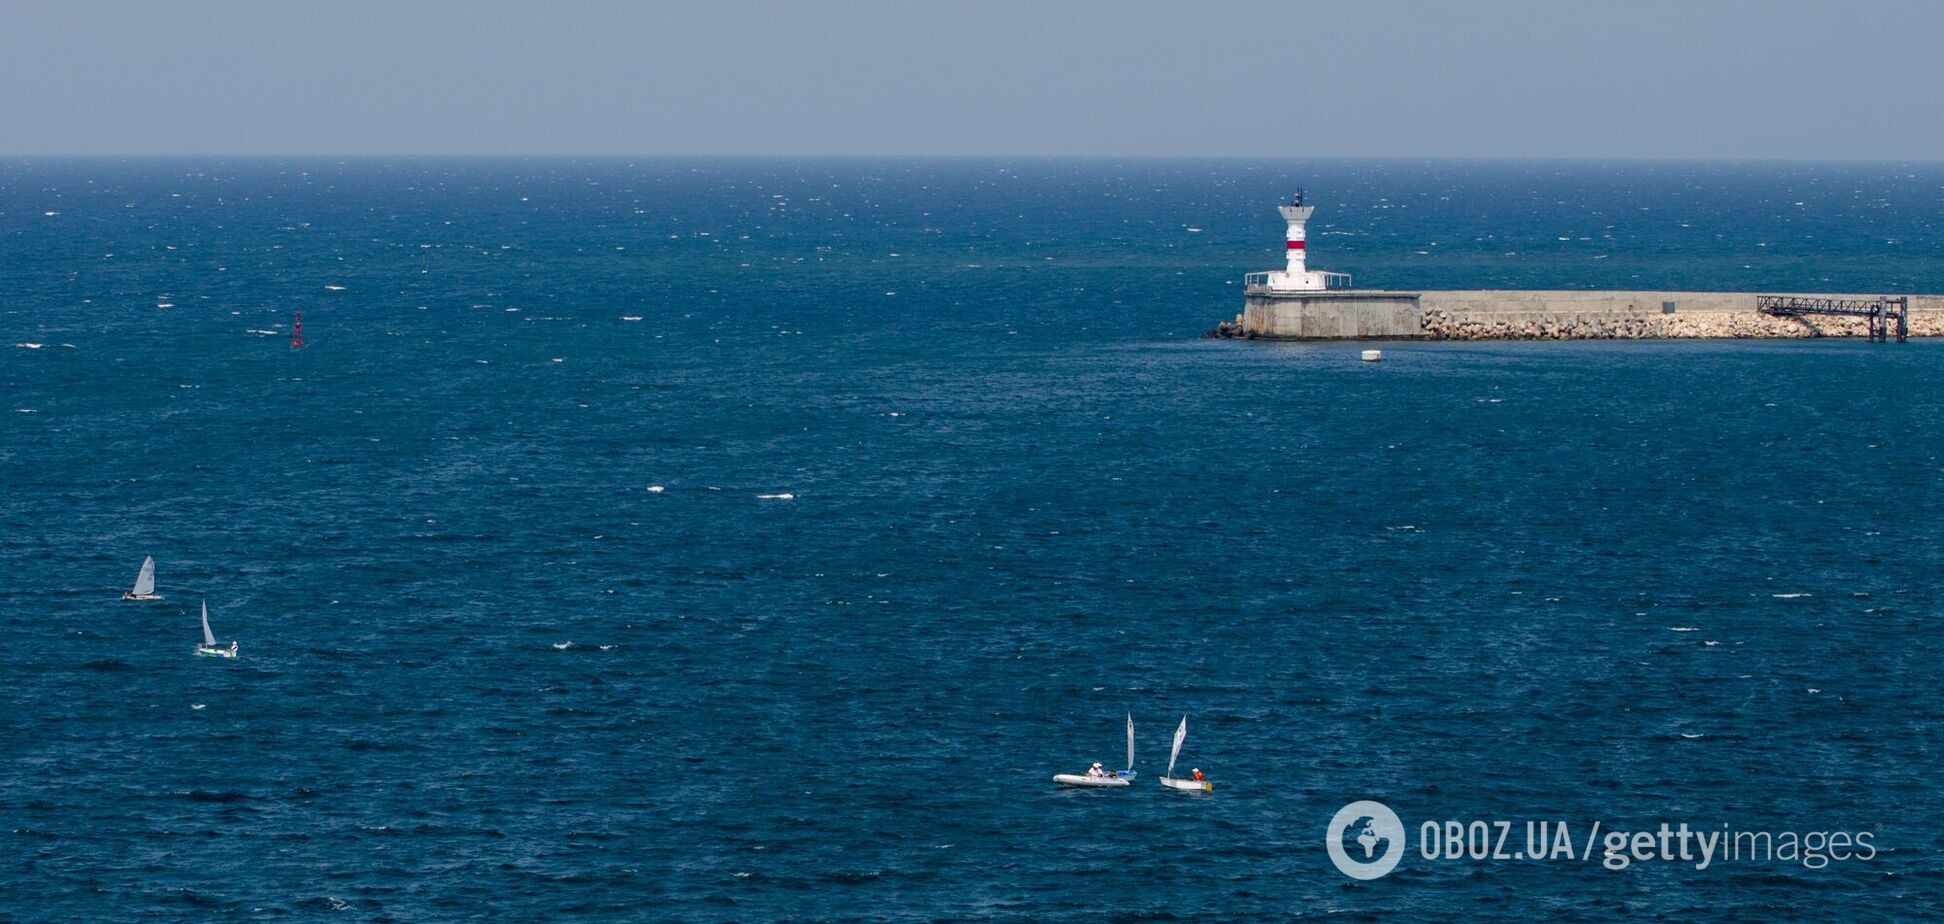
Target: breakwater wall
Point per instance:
(1608, 315)
(1333, 315)
(1508, 314)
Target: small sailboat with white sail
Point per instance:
(1193, 784)
(1098, 777)
(144, 588)
(208, 648)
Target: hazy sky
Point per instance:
(1486, 78)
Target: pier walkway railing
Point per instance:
(1877, 313)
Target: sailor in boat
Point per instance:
(1096, 771)
(1196, 771)
(208, 647)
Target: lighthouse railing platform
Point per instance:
(1258, 283)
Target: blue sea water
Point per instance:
(487, 674)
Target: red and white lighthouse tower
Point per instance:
(1297, 215)
(1296, 275)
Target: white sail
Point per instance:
(1181, 734)
(145, 582)
(208, 637)
(1130, 741)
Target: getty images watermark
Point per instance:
(1366, 841)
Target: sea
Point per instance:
(752, 539)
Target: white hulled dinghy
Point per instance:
(1095, 776)
(1195, 784)
(208, 647)
(144, 588)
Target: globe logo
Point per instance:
(1365, 840)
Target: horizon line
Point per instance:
(1440, 158)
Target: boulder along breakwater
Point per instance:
(1487, 314)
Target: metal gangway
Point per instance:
(1877, 313)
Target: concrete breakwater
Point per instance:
(1607, 315)
(1488, 314)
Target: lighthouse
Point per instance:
(1297, 215)
(1300, 303)
(1296, 275)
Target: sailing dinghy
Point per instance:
(208, 648)
(1099, 777)
(1168, 778)
(144, 588)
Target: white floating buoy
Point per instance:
(1371, 356)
